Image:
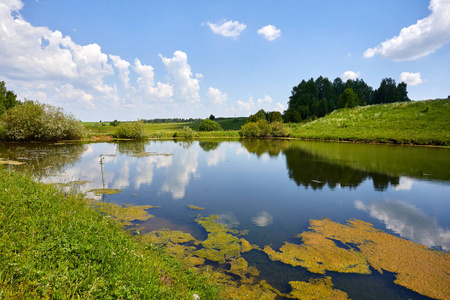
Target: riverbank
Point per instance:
(54, 245)
(411, 123)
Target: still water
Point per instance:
(272, 188)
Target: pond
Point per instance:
(270, 188)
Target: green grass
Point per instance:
(417, 122)
(55, 246)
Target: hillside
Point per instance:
(416, 122)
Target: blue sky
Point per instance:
(125, 60)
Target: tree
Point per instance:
(7, 98)
(274, 116)
(260, 115)
(209, 125)
(292, 116)
(212, 117)
(348, 99)
(114, 123)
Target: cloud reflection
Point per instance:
(405, 184)
(263, 219)
(409, 222)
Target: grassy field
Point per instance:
(55, 246)
(417, 122)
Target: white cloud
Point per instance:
(411, 78)
(349, 75)
(122, 66)
(180, 77)
(227, 28)
(420, 39)
(263, 219)
(270, 32)
(68, 92)
(146, 83)
(216, 97)
(252, 106)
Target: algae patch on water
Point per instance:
(147, 154)
(98, 192)
(417, 267)
(10, 162)
(124, 214)
(195, 207)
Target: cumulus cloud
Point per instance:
(216, 97)
(420, 39)
(227, 28)
(411, 78)
(122, 66)
(180, 76)
(269, 32)
(349, 75)
(68, 92)
(251, 106)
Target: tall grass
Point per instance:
(54, 246)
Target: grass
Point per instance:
(55, 246)
(417, 122)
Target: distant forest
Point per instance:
(315, 98)
(172, 120)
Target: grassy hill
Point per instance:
(417, 122)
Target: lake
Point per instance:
(272, 188)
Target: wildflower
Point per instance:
(196, 297)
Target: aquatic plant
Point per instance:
(98, 192)
(124, 214)
(195, 207)
(416, 267)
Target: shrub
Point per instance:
(34, 121)
(187, 132)
(264, 129)
(131, 130)
(209, 125)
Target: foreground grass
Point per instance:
(54, 246)
(417, 122)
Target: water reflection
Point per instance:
(263, 219)
(409, 222)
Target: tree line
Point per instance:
(7, 98)
(315, 98)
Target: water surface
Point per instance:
(270, 187)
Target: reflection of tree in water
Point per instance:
(51, 157)
(261, 146)
(131, 147)
(315, 171)
(209, 145)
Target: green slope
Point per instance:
(417, 122)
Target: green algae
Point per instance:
(98, 192)
(10, 162)
(195, 207)
(319, 254)
(147, 154)
(124, 214)
(416, 267)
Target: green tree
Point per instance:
(7, 98)
(209, 125)
(212, 117)
(114, 123)
(292, 116)
(274, 116)
(260, 115)
(348, 99)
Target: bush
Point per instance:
(131, 130)
(187, 132)
(264, 129)
(209, 125)
(34, 121)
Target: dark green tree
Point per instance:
(348, 99)
(274, 116)
(212, 117)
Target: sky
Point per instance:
(130, 60)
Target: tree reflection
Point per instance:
(312, 170)
(50, 157)
(261, 146)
